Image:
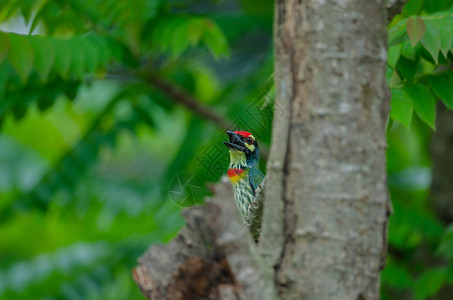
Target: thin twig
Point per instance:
(177, 94)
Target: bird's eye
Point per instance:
(249, 140)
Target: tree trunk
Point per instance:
(441, 150)
(326, 208)
(325, 217)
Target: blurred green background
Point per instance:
(113, 114)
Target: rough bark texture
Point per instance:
(325, 217)
(441, 152)
(213, 258)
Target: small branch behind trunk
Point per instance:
(179, 95)
(394, 7)
(184, 98)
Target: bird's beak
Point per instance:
(235, 142)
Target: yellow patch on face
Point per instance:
(251, 147)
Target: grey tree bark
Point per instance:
(326, 201)
(325, 217)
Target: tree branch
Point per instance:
(211, 258)
(441, 149)
(179, 95)
(182, 97)
(394, 7)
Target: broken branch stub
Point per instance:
(211, 258)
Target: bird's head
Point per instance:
(244, 149)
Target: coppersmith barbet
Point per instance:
(243, 172)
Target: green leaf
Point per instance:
(195, 30)
(402, 107)
(21, 55)
(44, 55)
(393, 78)
(446, 34)
(176, 34)
(44, 102)
(19, 109)
(4, 45)
(406, 68)
(442, 87)
(180, 41)
(92, 56)
(431, 40)
(410, 52)
(102, 48)
(434, 6)
(62, 56)
(393, 55)
(145, 116)
(425, 67)
(70, 89)
(413, 7)
(429, 283)
(397, 33)
(78, 57)
(3, 78)
(415, 29)
(424, 103)
(215, 40)
(37, 7)
(397, 276)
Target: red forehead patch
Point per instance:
(243, 133)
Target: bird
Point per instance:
(243, 169)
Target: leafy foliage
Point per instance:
(91, 148)
(420, 51)
(419, 58)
